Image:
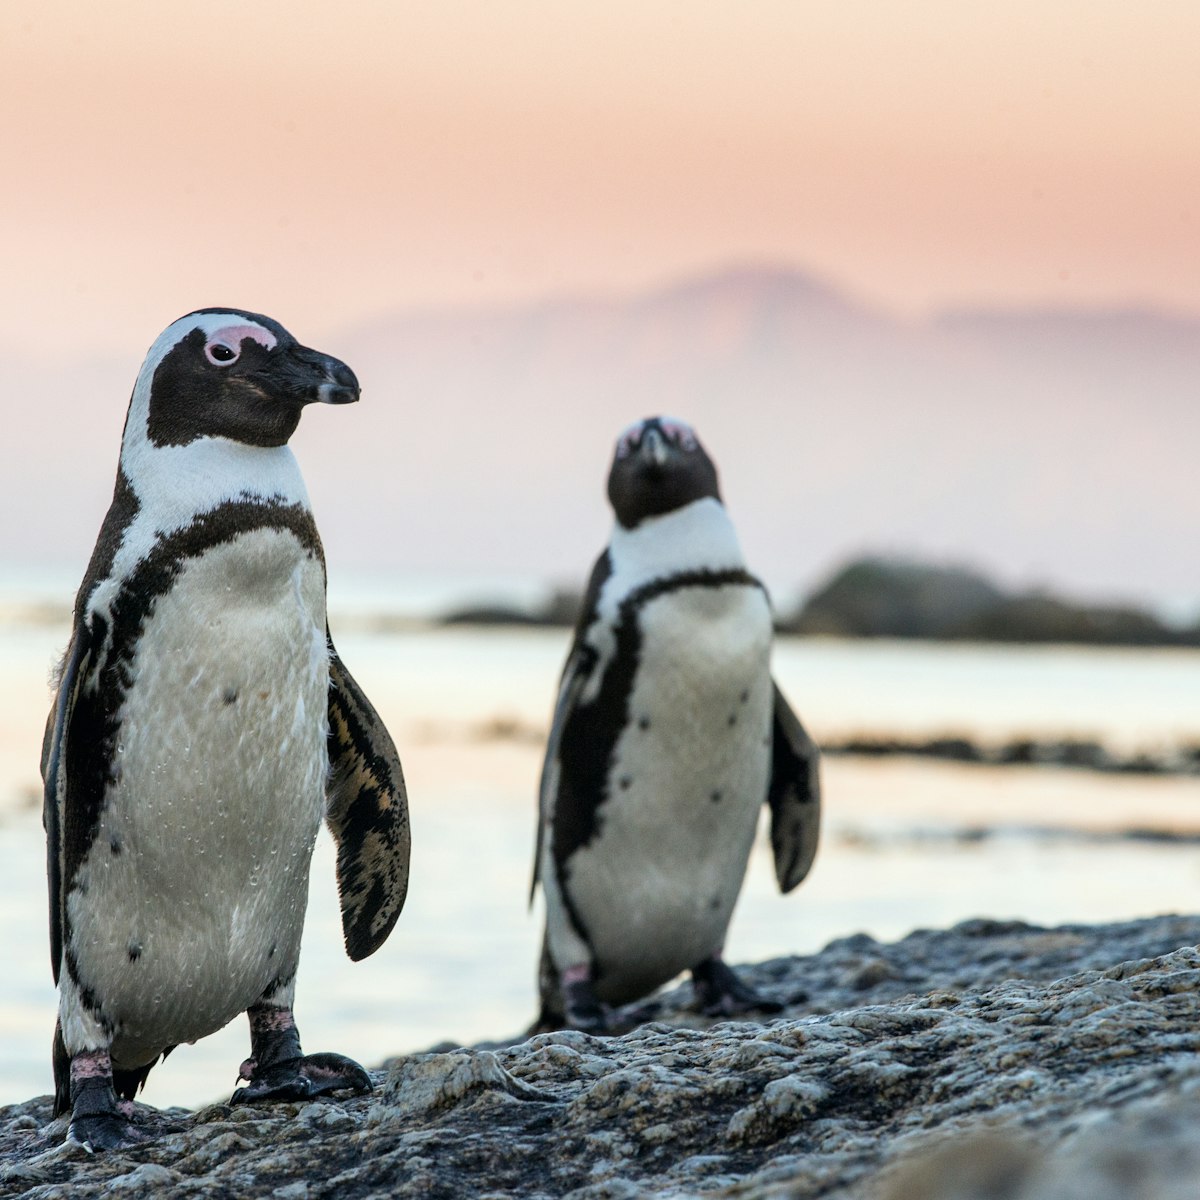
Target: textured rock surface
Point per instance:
(993, 1061)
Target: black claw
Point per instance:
(303, 1078)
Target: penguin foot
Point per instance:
(582, 1010)
(633, 1015)
(105, 1131)
(301, 1078)
(629, 1017)
(278, 1069)
(99, 1121)
(720, 993)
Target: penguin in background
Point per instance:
(203, 727)
(668, 736)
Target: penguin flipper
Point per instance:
(367, 813)
(60, 862)
(575, 676)
(794, 795)
(581, 662)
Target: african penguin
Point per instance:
(668, 737)
(203, 727)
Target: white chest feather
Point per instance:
(192, 897)
(657, 885)
(697, 537)
(173, 484)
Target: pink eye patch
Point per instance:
(679, 432)
(233, 336)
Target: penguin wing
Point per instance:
(794, 796)
(62, 858)
(367, 813)
(582, 661)
(575, 677)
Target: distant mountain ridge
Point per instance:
(1052, 447)
(773, 303)
(709, 316)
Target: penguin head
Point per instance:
(222, 372)
(658, 466)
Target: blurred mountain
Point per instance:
(1050, 447)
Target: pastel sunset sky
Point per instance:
(336, 165)
(332, 161)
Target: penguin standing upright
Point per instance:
(668, 737)
(202, 728)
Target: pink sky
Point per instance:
(324, 163)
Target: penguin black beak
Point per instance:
(316, 378)
(341, 386)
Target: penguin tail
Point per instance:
(128, 1082)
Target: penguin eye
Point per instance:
(628, 441)
(681, 434)
(221, 354)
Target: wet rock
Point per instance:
(871, 973)
(422, 1083)
(994, 1059)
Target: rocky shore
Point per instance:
(991, 1061)
(1079, 753)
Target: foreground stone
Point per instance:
(992, 1061)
